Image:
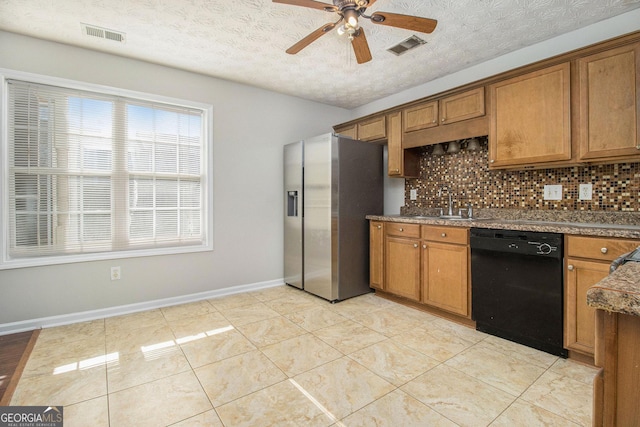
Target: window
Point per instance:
(94, 175)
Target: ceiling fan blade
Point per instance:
(310, 38)
(371, 2)
(361, 47)
(307, 3)
(414, 23)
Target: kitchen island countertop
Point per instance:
(619, 292)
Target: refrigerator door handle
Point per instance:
(292, 203)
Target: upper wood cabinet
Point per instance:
(609, 119)
(401, 163)
(531, 119)
(450, 118)
(580, 107)
(462, 106)
(372, 129)
(350, 131)
(421, 116)
(451, 109)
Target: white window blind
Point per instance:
(93, 173)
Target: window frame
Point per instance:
(207, 168)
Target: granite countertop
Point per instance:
(619, 292)
(627, 226)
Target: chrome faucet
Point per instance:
(450, 210)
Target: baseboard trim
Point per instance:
(66, 319)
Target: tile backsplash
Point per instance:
(616, 187)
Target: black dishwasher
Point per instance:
(517, 287)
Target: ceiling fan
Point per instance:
(349, 12)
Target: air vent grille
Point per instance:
(103, 33)
(406, 45)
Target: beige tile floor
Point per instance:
(283, 357)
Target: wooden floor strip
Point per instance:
(5, 398)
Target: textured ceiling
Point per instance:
(245, 40)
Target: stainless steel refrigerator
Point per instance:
(330, 184)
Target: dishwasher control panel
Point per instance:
(543, 248)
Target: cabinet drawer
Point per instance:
(406, 230)
(446, 234)
(599, 248)
(373, 129)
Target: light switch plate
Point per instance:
(553, 192)
(586, 191)
(413, 194)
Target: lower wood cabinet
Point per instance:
(587, 261)
(445, 277)
(427, 264)
(579, 319)
(376, 255)
(402, 260)
(617, 385)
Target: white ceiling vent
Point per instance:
(406, 45)
(102, 33)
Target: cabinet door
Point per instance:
(373, 129)
(376, 254)
(530, 119)
(349, 131)
(463, 106)
(400, 162)
(445, 277)
(579, 334)
(421, 116)
(402, 267)
(609, 125)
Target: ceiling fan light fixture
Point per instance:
(351, 18)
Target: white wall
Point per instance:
(250, 127)
(604, 30)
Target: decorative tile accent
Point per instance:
(616, 187)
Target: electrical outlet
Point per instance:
(553, 192)
(115, 273)
(413, 194)
(586, 191)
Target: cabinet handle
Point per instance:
(570, 267)
(396, 170)
(401, 229)
(415, 245)
(434, 120)
(444, 235)
(604, 250)
(379, 227)
(492, 161)
(424, 246)
(444, 119)
(637, 147)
